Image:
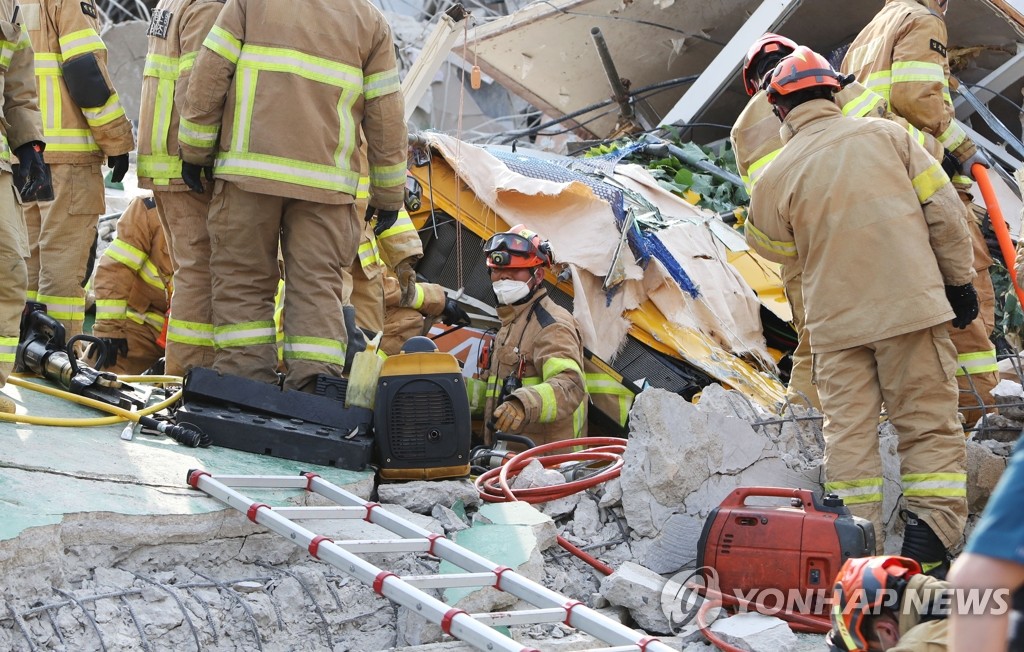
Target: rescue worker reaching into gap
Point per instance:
(176, 33)
(756, 142)
(873, 341)
(403, 321)
(83, 125)
(133, 287)
(535, 382)
(901, 54)
(887, 604)
(268, 71)
(21, 131)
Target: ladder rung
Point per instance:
(450, 581)
(298, 513)
(384, 545)
(524, 617)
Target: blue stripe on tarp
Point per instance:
(659, 251)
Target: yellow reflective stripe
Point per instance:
(303, 65)
(47, 64)
(839, 618)
(554, 366)
(314, 348)
(579, 419)
(757, 168)
(64, 308)
(916, 134)
(928, 182)
(110, 308)
(388, 176)
(150, 275)
(601, 383)
(863, 104)
(402, 225)
(197, 135)
(8, 48)
(857, 492)
(278, 168)
(417, 302)
(363, 189)
(935, 484)
(223, 43)
(124, 253)
(979, 362)
(80, 42)
(153, 319)
(381, 83)
(548, 403)
(953, 136)
(159, 167)
(880, 82)
(780, 247)
(250, 333)
(99, 116)
(160, 66)
(8, 348)
(369, 255)
(189, 332)
(186, 61)
(917, 71)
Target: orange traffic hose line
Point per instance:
(493, 485)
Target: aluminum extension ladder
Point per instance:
(474, 629)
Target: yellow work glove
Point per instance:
(407, 280)
(509, 416)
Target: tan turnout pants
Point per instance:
(913, 375)
(190, 329)
(13, 252)
(801, 389)
(61, 233)
(317, 241)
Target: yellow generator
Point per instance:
(421, 415)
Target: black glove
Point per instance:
(112, 347)
(191, 175)
(950, 164)
(385, 219)
(453, 314)
(964, 301)
(32, 178)
(119, 165)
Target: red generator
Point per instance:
(789, 553)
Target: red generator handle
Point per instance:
(738, 497)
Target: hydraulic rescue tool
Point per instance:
(42, 351)
(799, 547)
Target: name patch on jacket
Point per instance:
(88, 9)
(938, 47)
(160, 24)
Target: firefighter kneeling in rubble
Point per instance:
(534, 380)
(886, 603)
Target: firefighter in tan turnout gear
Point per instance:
(133, 285)
(535, 382)
(21, 132)
(267, 74)
(176, 32)
(83, 124)
(873, 341)
(901, 54)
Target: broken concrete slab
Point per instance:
(984, 468)
(520, 513)
(756, 632)
(534, 475)
(638, 589)
(676, 544)
(448, 519)
(420, 496)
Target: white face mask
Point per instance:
(509, 291)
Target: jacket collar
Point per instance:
(807, 114)
(508, 314)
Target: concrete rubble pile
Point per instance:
(216, 582)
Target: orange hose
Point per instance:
(493, 484)
(995, 214)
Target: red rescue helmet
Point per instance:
(800, 71)
(863, 586)
(517, 248)
(768, 44)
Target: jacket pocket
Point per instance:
(87, 197)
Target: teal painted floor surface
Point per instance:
(49, 471)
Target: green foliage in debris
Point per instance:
(693, 185)
(1009, 316)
